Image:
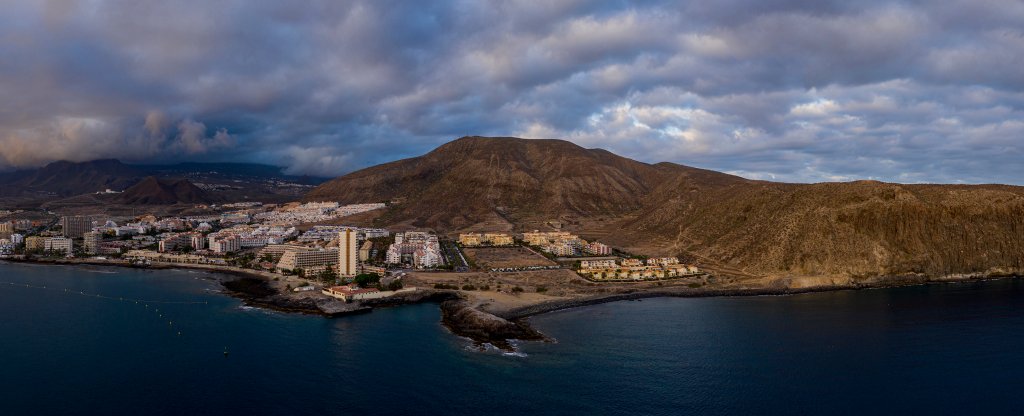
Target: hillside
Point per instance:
(62, 183)
(64, 179)
(154, 191)
(856, 229)
(476, 179)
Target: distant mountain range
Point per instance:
(856, 229)
(67, 179)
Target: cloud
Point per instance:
(192, 138)
(784, 89)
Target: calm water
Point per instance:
(940, 349)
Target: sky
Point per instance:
(786, 90)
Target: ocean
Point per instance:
(154, 343)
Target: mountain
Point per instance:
(856, 229)
(154, 191)
(67, 178)
(232, 181)
(474, 178)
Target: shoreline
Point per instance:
(466, 319)
(883, 283)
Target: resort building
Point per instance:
(662, 261)
(152, 256)
(365, 251)
(348, 294)
(632, 269)
(470, 240)
(6, 247)
(597, 264)
(198, 241)
(91, 243)
(58, 244)
(419, 248)
(348, 253)
(308, 259)
(597, 249)
(275, 251)
(352, 292)
(35, 243)
(75, 226)
(172, 242)
(486, 239)
(224, 243)
(559, 243)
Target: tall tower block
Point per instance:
(348, 253)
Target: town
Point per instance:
(349, 263)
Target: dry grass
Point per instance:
(492, 257)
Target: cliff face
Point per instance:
(856, 229)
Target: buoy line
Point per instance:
(145, 303)
(96, 295)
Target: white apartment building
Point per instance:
(597, 264)
(173, 242)
(59, 244)
(424, 248)
(6, 247)
(224, 243)
(92, 242)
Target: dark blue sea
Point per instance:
(936, 349)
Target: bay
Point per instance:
(936, 349)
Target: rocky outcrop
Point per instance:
(484, 328)
(258, 292)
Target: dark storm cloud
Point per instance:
(787, 90)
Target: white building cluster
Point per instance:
(330, 232)
(6, 247)
(314, 212)
(420, 249)
(566, 244)
(111, 227)
(634, 269)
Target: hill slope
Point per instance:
(474, 178)
(67, 178)
(855, 229)
(153, 191)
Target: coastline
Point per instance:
(474, 321)
(886, 282)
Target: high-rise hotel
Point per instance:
(348, 253)
(75, 226)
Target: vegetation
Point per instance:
(367, 280)
(393, 285)
(445, 286)
(328, 275)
